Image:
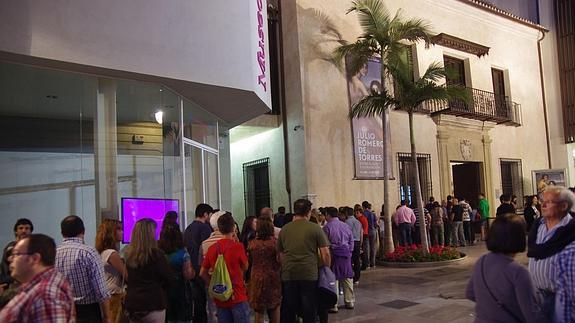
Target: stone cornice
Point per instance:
(446, 121)
(495, 10)
(463, 45)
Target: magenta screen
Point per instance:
(134, 209)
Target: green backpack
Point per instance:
(220, 284)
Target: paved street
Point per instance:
(415, 295)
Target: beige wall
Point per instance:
(265, 143)
(561, 154)
(321, 153)
(513, 48)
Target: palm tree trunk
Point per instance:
(388, 245)
(422, 229)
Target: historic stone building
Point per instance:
(512, 127)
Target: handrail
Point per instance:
(483, 105)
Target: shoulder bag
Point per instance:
(499, 304)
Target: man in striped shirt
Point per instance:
(83, 268)
(45, 295)
(551, 264)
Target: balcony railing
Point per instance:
(483, 105)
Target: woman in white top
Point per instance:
(108, 238)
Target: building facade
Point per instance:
(511, 128)
(110, 101)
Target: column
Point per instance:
(488, 173)
(106, 152)
(443, 162)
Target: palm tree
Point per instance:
(410, 95)
(383, 35)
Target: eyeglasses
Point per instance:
(14, 254)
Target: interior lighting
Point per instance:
(159, 116)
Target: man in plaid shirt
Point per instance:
(83, 268)
(45, 295)
(565, 294)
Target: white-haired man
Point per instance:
(552, 255)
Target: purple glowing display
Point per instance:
(134, 209)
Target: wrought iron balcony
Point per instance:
(484, 106)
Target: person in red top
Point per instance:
(236, 309)
(358, 210)
(45, 295)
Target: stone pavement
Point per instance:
(415, 294)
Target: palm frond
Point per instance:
(460, 92)
(412, 30)
(354, 55)
(372, 105)
(434, 73)
(372, 15)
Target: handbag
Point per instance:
(327, 287)
(499, 304)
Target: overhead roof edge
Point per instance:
(502, 13)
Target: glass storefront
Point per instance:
(77, 144)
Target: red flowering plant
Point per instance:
(414, 253)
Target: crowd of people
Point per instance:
(453, 222)
(505, 291)
(272, 264)
(285, 265)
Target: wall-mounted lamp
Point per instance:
(159, 115)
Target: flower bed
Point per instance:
(414, 253)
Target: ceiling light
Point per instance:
(159, 116)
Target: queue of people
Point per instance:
(214, 271)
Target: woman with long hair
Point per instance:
(179, 296)
(108, 238)
(248, 230)
(264, 290)
(532, 210)
(149, 273)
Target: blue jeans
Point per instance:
(240, 313)
(372, 241)
(405, 234)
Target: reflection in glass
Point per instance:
(212, 185)
(199, 125)
(46, 168)
(194, 179)
(77, 144)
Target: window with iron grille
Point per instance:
(257, 192)
(407, 180)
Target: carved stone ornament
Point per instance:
(460, 44)
(465, 146)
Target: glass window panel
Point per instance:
(45, 166)
(194, 179)
(211, 173)
(199, 125)
(148, 159)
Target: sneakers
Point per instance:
(349, 306)
(333, 310)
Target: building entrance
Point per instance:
(467, 181)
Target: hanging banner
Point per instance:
(368, 132)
